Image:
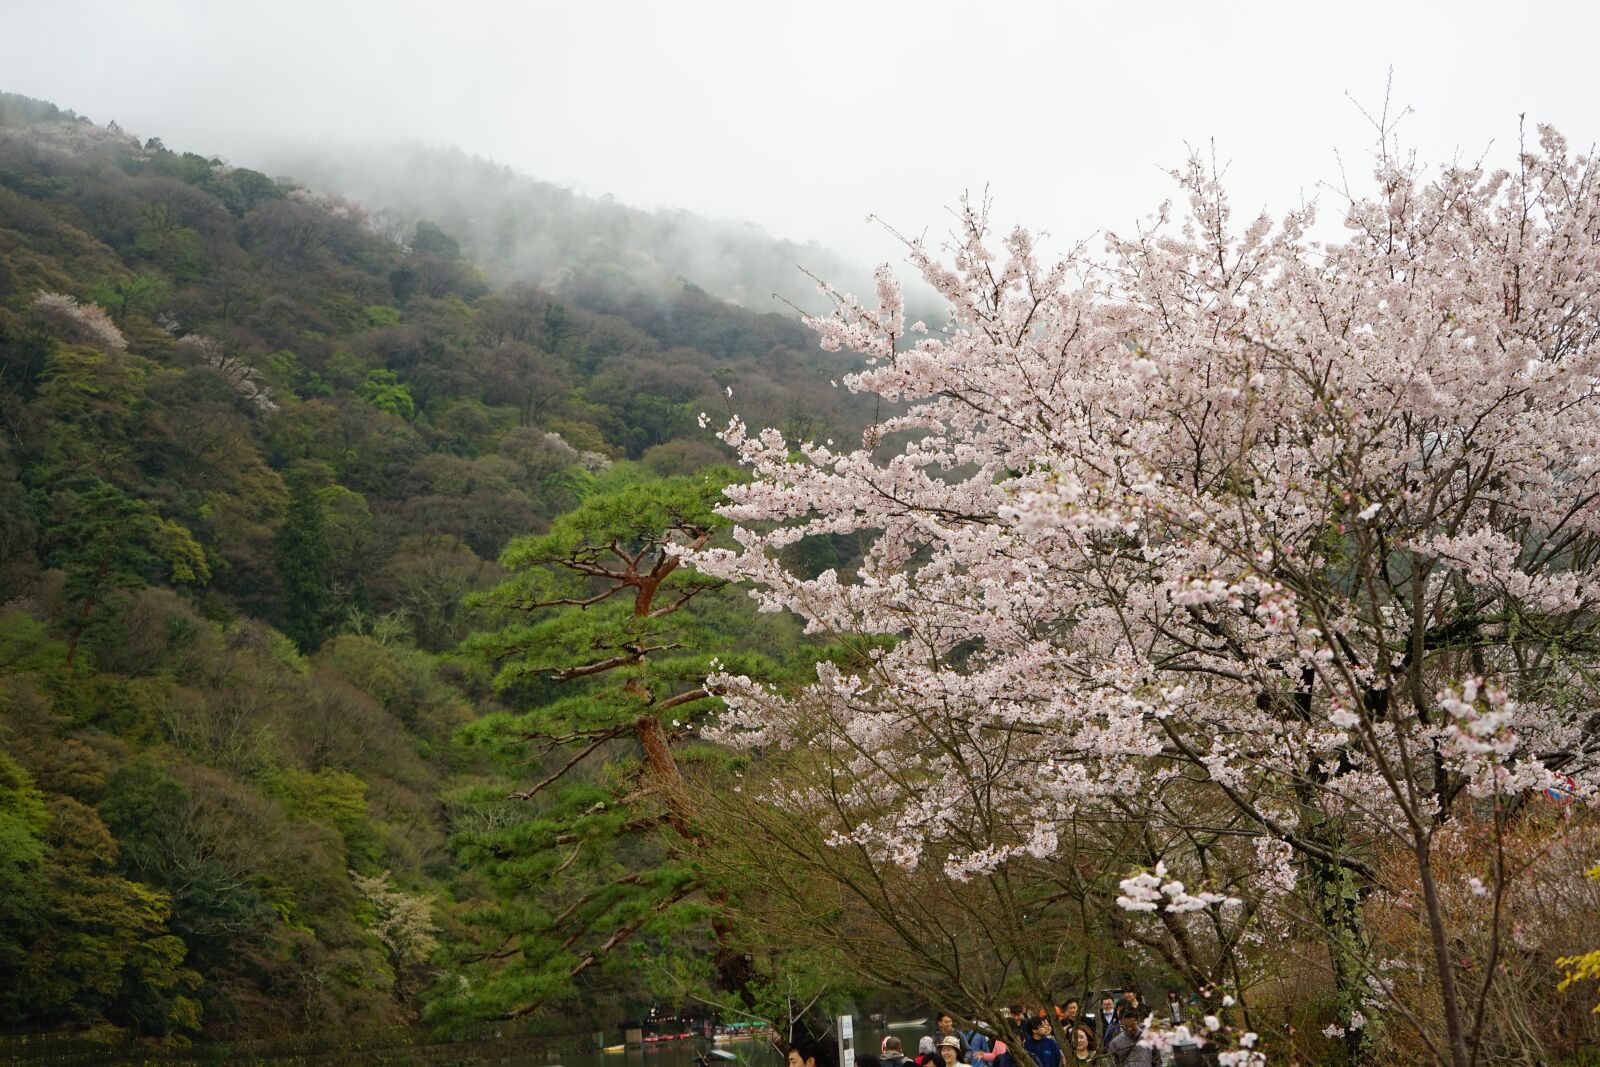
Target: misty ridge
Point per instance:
(596, 250)
(517, 229)
(469, 228)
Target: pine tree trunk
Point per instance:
(89, 602)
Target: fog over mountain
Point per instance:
(520, 229)
(807, 121)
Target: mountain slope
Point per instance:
(253, 456)
(521, 229)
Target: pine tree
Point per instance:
(106, 540)
(303, 562)
(607, 640)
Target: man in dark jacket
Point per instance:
(892, 1053)
(1041, 1045)
(1107, 1020)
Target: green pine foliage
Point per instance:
(306, 539)
(304, 561)
(600, 640)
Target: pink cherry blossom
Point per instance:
(1316, 524)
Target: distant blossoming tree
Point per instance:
(232, 368)
(82, 322)
(1310, 528)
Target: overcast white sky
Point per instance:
(805, 117)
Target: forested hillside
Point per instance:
(255, 457)
(600, 252)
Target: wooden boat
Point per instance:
(905, 1024)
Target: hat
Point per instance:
(951, 1041)
(924, 1046)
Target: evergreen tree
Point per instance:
(303, 561)
(106, 540)
(607, 639)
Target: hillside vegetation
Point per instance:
(254, 457)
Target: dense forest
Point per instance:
(260, 463)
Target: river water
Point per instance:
(748, 1052)
(418, 1049)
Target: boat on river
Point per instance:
(905, 1024)
(729, 1032)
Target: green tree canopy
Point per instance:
(605, 640)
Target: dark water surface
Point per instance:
(751, 1052)
(416, 1048)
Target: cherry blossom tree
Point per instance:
(1307, 527)
(86, 322)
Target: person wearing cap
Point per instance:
(950, 1050)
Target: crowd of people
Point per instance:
(1109, 1033)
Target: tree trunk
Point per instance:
(664, 770)
(1338, 901)
(1441, 953)
(89, 602)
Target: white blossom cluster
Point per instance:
(86, 322)
(1149, 890)
(1215, 511)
